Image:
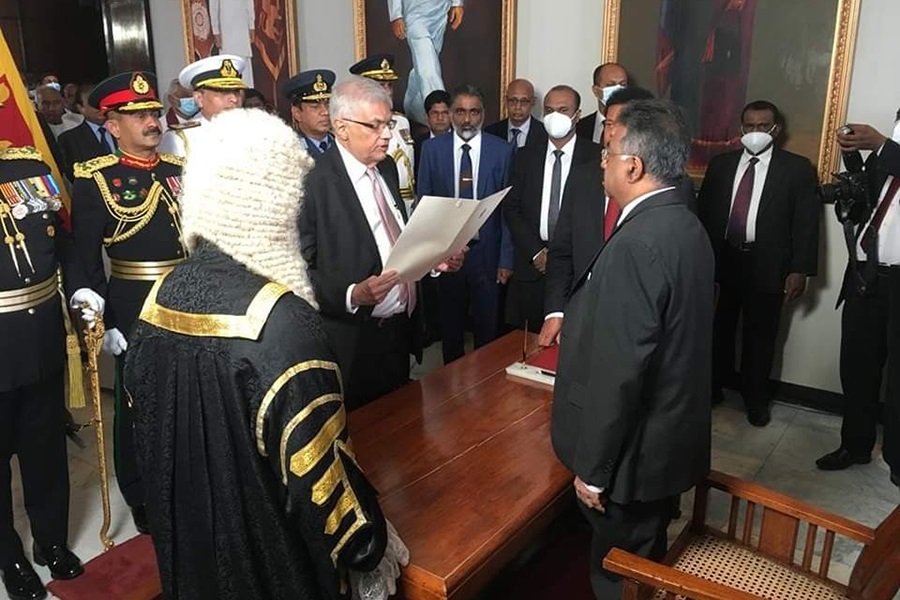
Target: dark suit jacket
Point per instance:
(340, 250)
(536, 132)
(585, 126)
(787, 223)
(522, 207)
(436, 177)
(79, 145)
(631, 408)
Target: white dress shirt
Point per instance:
(173, 140)
(888, 233)
(474, 154)
(391, 305)
(759, 181)
(597, 138)
(524, 128)
(566, 163)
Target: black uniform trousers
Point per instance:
(125, 453)
(639, 528)
(525, 303)
(474, 287)
(870, 338)
(760, 313)
(380, 361)
(32, 426)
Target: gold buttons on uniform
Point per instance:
(28, 280)
(30, 311)
(45, 216)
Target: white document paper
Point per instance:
(438, 229)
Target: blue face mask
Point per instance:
(188, 106)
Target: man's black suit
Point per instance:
(585, 127)
(536, 132)
(522, 210)
(80, 145)
(752, 278)
(870, 334)
(340, 250)
(631, 407)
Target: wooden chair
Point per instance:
(756, 558)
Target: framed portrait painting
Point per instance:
(264, 32)
(442, 44)
(712, 57)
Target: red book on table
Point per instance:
(545, 360)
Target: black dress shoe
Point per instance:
(62, 562)
(759, 416)
(840, 459)
(139, 514)
(21, 582)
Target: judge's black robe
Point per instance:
(252, 489)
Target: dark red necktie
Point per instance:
(867, 243)
(612, 217)
(736, 234)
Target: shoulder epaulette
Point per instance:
(21, 153)
(87, 168)
(185, 125)
(172, 159)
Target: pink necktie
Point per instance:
(392, 228)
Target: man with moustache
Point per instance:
(126, 203)
(217, 85)
(309, 92)
(519, 128)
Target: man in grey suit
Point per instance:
(631, 412)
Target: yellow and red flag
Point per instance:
(19, 124)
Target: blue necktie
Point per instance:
(466, 189)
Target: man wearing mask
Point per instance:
(870, 327)
(126, 204)
(520, 127)
(470, 164)
(217, 85)
(532, 209)
(88, 140)
(608, 79)
(309, 93)
(760, 209)
(182, 106)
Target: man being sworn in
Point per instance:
(253, 491)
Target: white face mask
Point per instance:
(756, 141)
(557, 125)
(609, 90)
(896, 135)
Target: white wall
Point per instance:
(548, 54)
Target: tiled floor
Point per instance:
(780, 456)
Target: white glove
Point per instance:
(382, 581)
(114, 342)
(90, 303)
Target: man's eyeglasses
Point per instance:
(376, 127)
(605, 154)
(519, 101)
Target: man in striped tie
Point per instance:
(870, 328)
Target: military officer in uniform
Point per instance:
(33, 345)
(217, 85)
(380, 68)
(309, 93)
(126, 203)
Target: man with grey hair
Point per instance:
(631, 412)
(50, 105)
(354, 194)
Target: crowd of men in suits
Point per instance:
(602, 246)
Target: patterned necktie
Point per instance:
(613, 210)
(869, 240)
(515, 132)
(736, 233)
(392, 228)
(323, 146)
(555, 188)
(466, 188)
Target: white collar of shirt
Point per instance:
(597, 137)
(524, 128)
(764, 157)
(474, 154)
(95, 128)
(568, 148)
(634, 203)
(355, 169)
(565, 161)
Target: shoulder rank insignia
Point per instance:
(86, 169)
(185, 125)
(21, 153)
(171, 159)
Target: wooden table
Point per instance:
(464, 465)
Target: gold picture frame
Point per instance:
(272, 16)
(846, 21)
(507, 67)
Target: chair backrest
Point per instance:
(876, 575)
